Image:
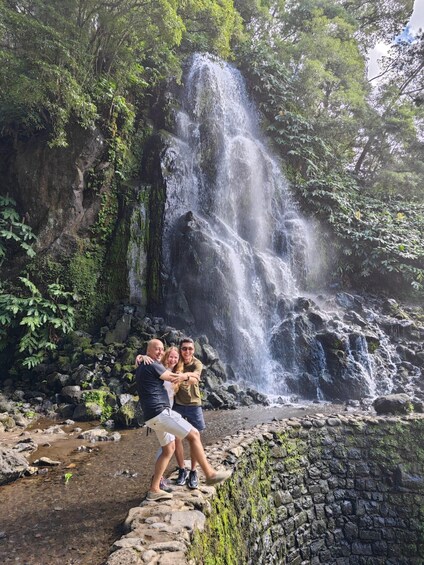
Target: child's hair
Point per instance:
(164, 359)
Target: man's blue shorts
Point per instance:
(193, 414)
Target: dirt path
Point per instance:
(44, 521)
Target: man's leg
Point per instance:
(198, 453)
(161, 465)
(179, 452)
(173, 423)
(194, 415)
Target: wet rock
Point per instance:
(47, 462)
(355, 318)
(83, 376)
(71, 394)
(99, 434)
(129, 413)
(5, 404)
(8, 422)
(12, 465)
(26, 445)
(54, 430)
(393, 404)
(209, 354)
(302, 303)
(21, 421)
(124, 399)
(346, 300)
(214, 400)
(258, 397)
(57, 381)
(218, 369)
(87, 412)
(65, 410)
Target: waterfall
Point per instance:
(243, 245)
(236, 254)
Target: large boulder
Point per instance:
(393, 404)
(12, 465)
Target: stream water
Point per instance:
(45, 521)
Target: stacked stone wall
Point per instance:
(339, 490)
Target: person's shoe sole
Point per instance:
(161, 495)
(219, 478)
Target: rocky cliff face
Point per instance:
(70, 198)
(52, 185)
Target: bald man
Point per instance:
(166, 423)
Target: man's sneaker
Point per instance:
(193, 481)
(161, 495)
(164, 485)
(182, 477)
(219, 477)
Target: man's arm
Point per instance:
(198, 367)
(174, 378)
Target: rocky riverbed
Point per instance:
(72, 513)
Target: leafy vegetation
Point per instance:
(379, 238)
(31, 322)
(96, 61)
(13, 232)
(352, 145)
(353, 151)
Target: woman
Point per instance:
(170, 360)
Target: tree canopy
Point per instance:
(351, 146)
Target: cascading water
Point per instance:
(250, 243)
(236, 251)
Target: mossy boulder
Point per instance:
(128, 414)
(100, 398)
(393, 404)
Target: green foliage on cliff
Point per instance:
(353, 151)
(95, 61)
(376, 238)
(351, 145)
(31, 321)
(13, 232)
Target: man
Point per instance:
(188, 403)
(166, 423)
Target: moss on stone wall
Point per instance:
(314, 494)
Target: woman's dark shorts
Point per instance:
(193, 414)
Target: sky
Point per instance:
(416, 22)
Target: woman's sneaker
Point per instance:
(164, 485)
(182, 477)
(193, 481)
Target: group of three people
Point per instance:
(164, 378)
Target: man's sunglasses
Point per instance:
(187, 349)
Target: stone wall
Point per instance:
(342, 490)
